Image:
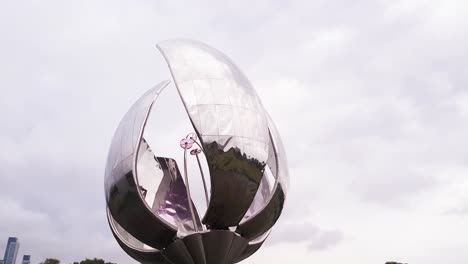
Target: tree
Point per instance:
(94, 261)
(51, 261)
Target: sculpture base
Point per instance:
(211, 247)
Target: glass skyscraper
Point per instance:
(11, 250)
(26, 259)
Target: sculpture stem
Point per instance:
(189, 197)
(204, 182)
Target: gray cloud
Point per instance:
(370, 97)
(301, 232)
(457, 211)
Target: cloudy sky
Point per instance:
(370, 97)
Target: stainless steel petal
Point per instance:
(280, 152)
(123, 193)
(267, 185)
(133, 247)
(249, 251)
(252, 247)
(230, 121)
(171, 199)
(264, 219)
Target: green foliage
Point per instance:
(94, 261)
(86, 261)
(51, 261)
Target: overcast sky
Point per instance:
(370, 97)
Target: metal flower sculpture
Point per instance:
(149, 204)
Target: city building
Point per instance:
(26, 259)
(11, 251)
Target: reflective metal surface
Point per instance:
(123, 194)
(171, 199)
(150, 208)
(265, 218)
(230, 121)
(133, 247)
(249, 250)
(213, 247)
(253, 246)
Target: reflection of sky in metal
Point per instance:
(219, 98)
(223, 107)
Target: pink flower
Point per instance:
(186, 143)
(192, 136)
(195, 151)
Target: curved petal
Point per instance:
(265, 218)
(132, 246)
(123, 194)
(252, 247)
(230, 121)
(168, 198)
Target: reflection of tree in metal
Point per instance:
(149, 202)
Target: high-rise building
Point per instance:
(26, 259)
(11, 251)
